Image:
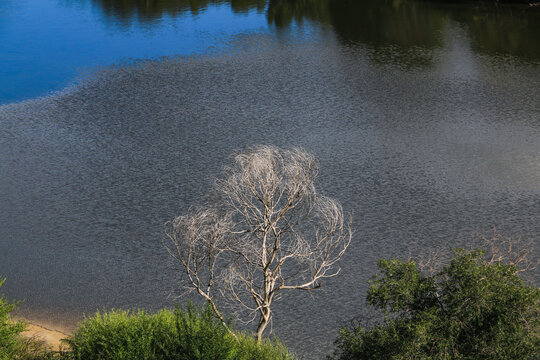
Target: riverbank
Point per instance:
(50, 336)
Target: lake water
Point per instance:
(117, 115)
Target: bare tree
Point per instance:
(514, 251)
(497, 248)
(270, 231)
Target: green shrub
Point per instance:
(200, 336)
(189, 334)
(470, 310)
(247, 348)
(9, 331)
(121, 335)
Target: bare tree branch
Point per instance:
(270, 231)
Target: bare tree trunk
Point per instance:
(263, 322)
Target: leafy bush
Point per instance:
(183, 334)
(471, 309)
(247, 348)
(9, 331)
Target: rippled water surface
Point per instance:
(425, 119)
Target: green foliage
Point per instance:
(122, 335)
(247, 348)
(9, 331)
(183, 334)
(201, 336)
(470, 310)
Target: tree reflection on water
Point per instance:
(410, 26)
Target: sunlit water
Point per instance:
(425, 137)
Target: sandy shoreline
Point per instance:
(51, 337)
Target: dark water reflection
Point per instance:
(144, 10)
(495, 29)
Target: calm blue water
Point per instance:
(46, 44)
